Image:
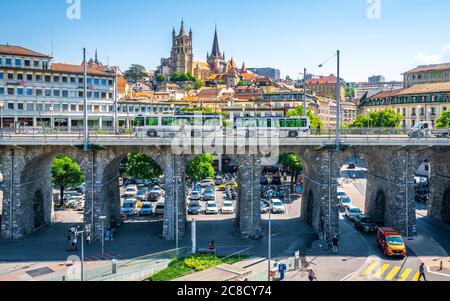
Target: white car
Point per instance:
(131, 191)
(206, 183)
(146, 209)
(351, 212)
(278, 206)
(211, 208)
(227, 208)
(159, 208)
(195, 196)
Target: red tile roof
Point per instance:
(331, 79)
(17, 50)
(385, 94)
(427, 68)
(79, 69)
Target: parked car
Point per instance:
(391, 242)
(365, 223)
(195, 196)
(159, 208)
(79, 206)
(139, 182)
(340, 192)
(206, 182)
(276, 180)
(146, 209)
(72, 201)
(345, 201)
(218, 181)
(351, 212)
(211, 208)
(209, 194)
(227, 208)
(131, 191)
(129, 207)
(194, 208)
(263, 207)
(142, 195)
(278, 206)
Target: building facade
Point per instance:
(36, 92)
(272, 73)
(181, 56)
(427, 74)
(325, 86)
(424, 102)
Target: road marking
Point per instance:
(416, 277)
(370, 268)
(405, 275)
(381, 271)
(392, 273)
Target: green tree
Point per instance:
(66, 173)
(198, 84)
(141, 166)
(201, 167)
(198, 110)
(160, 78)
(444, 120)
(135, 74)
(244, 83)
(292, 163)
(388, 118)
(313, 119)
(350, 92)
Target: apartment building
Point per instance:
(34, 91)
(427, 74)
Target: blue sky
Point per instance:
(286, 34)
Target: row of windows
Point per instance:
(412, 99)
(54, 93)
(56, 107)
(430, 75)
(10, 62)
(414, 111)
(56, 79)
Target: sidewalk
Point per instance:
(353, 251)
(431, 254)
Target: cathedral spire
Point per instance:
(182, 28)
(216, 49)
(96, 57)
(243, 69)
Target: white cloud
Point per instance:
(435, 58)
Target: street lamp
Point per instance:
(103, 218)
(269, 193)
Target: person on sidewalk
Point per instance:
(335, 244)
(311, 275)
(422, 272)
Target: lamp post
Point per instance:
(103, 218)
(270, 235)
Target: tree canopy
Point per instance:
(299, 111)
(140, 166)
(160, 78)
(135, 74)
(66, 172)
(292, 163)
(182, 77)
(201, 167)
(444, 120)
(384, 118)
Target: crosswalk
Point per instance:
(380, 271)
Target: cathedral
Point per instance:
(215, 69)
(181, 56)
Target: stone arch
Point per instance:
(445, 207)
(380, 208)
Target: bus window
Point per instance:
(138, 121)
(167, 121)
(282, 123)
(211, 121)
(264, 123)
(251, 123)
(151, 121)
(183, 121)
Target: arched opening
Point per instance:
(380, 207)
(68, 190)
(422, 185)
(352, 187)
(133, 195)
(445, 207)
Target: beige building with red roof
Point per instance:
(34, 91)
(427, 74)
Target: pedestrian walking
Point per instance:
(422, 272)
(212, 247)
(318, 129)
(335, 244)
(311, 275)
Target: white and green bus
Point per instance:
(272, 126)
(168, 125)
